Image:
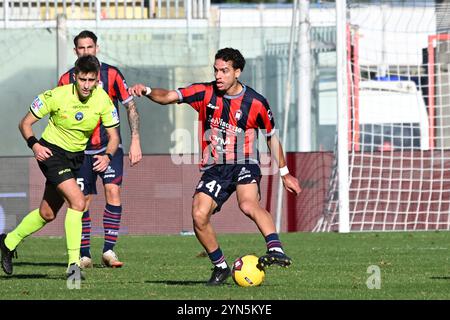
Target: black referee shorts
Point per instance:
(62, 165)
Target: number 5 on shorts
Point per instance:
(80, 182)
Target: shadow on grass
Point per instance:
(440, 278)
(32, 276)
(41, 264)
(178, 282)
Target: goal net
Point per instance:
(398, 55)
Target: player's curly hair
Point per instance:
(87, 64)
(230, 54)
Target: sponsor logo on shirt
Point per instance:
(220, 140)
(223, 125)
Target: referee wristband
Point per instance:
(31, 141)
(284, 171)
(148, 90)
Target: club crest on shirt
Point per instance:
(79, 116)
(238, 115)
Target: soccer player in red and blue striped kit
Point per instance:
(113, 82)
(230, 114)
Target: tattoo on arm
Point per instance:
(133, 117)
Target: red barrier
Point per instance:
(157, 198)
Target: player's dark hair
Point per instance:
(87, 64)
(230, 54)
(83, 35)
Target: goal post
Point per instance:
(435, 42)
(342, 71)
(394, 156)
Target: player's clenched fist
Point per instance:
(138, 90)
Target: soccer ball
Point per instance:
(246, 273)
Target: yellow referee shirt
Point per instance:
(71, 121)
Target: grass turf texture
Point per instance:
(325, 266)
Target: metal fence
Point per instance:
(48, 10)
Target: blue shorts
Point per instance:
(220, 181)
(87, 177)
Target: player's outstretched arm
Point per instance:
(158, 95)
(290, 182)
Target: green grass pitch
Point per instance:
(326, 266)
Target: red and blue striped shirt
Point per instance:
(228, 124)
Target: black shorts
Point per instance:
(220, 181)
(62, 165)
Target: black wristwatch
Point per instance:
(109, 156)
